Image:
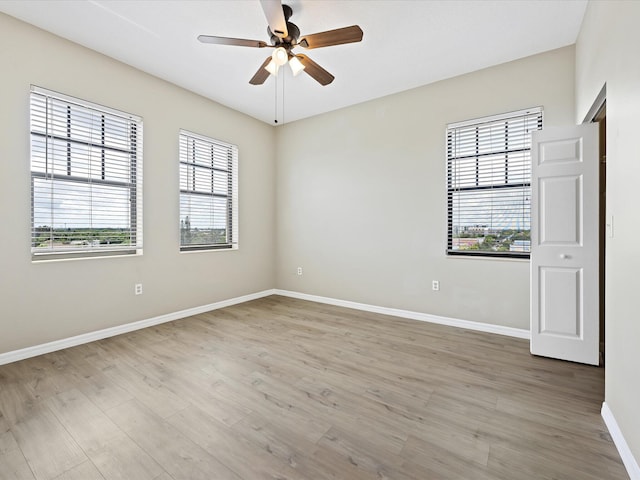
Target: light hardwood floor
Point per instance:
(282, 389)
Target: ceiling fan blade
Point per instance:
(240, 42)
(275, 17)
(261, 75)
(315, 71)
(332, 37)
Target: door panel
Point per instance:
(561, 226)
(561, 151)
(564, 243)
(557, 315)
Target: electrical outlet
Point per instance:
(299, 271)
(435, 285)
(138, 289)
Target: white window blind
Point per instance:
(86, 178)
(208, 193)
(489, 184)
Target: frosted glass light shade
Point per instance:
(280, 56)
(272, 67)
(296, 65)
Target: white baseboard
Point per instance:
(424, 317)
(629, 461)
(49, 347)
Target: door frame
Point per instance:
(598, 114)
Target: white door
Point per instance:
(564, 243)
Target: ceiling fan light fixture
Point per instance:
(296, 65)
(280, 56)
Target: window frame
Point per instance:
(190, 144)
(44, 98)
(534, 114)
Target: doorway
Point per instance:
(598, 114)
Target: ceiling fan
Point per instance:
(284, 37)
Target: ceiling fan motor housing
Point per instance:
(287, 42)
(292, 29)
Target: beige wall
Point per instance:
(361, 195)
(54, 300)
(608, 51)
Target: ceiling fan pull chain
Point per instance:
(275, 105)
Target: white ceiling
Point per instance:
(406, 44)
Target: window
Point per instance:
(86, 178)
(208, 193)
(489, 184)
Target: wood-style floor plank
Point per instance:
(88, 425)
(286, 389)
(48, 447)
(122, 458)
(231, 450)
(180, 456)
(84, 471)
(13, 465)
